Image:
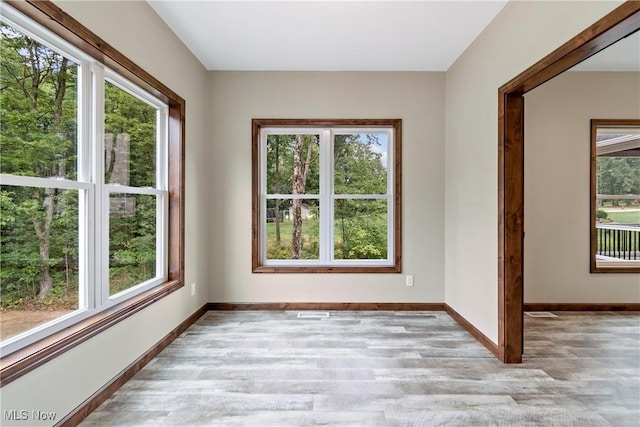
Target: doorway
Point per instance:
(618, 24)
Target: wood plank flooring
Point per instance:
(381, 368)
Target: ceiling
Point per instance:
(335, 35)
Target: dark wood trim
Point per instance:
(593, 245)
(511, 225)
(397, 201)
(29, 358)
(50, 16)
(345, 123)
(482, 338)
(328, 306)
(621, 22)
(257, 125)
(256, 171)
(177, 191)
(96, 399)
(326, 269)
(550, 306)
(614, 26)
(45, 13)
(593, 188)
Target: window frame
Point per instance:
(596, 266)
(394, 185)
(52, 23)
(159, 190)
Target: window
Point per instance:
(326, 195)
(615, 196)
(91, 226)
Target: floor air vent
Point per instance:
(540, 314)
(313, 314)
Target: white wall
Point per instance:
(557, 159)
(237, 97)
(65, 382)
(521, 34)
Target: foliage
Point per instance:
(278, 251)
(39, 248)
(132, 244)
(361, 228)
(618, 176)
(310, 243)
(359, 169)
(601, 215)
(37, 138)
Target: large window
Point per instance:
(326, 195)
(88, 210)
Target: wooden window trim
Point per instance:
(593, 192)
(257, 125)
(20, 362)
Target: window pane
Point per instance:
(293, 229)
(360, 163)
(293, 164)
(130, 139)
(38, 118)
(360, 229)
(618, 207)
(38, 256)
(132, 240)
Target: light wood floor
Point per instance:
(384, 369)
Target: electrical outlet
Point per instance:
(409, 280)
(193, 288)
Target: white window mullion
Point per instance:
(34, 181)
(360, 196)
(86, 199)
(162, 226)
(391, 142)
(162, 204)
(263, 194)
(125, 189)
(161, 252)
(292, 196)
(86, 262)
(101, 243)
(162, 173)
(326, 199)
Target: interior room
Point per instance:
(442, 291)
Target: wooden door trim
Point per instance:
(616, 25)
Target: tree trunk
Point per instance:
(344, 235)
(307, 161)
(300, 172)
(61, 88)
(42, 225)
(43, 232)
(296, 204)
(32, 95)
(277, 190)
(66, 269)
